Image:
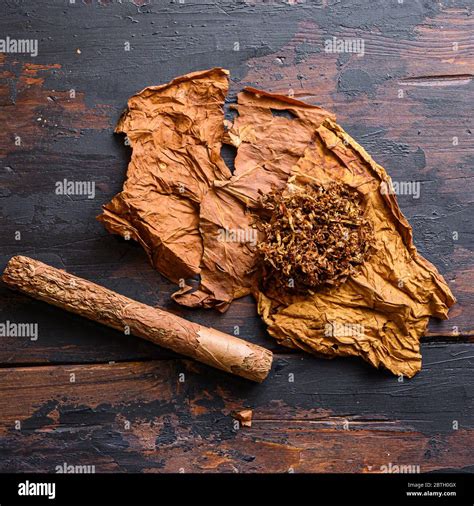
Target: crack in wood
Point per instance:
(437, 80)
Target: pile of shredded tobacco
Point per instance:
(314, 235)
(196, 218)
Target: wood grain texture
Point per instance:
(64, 103)
(167, 415)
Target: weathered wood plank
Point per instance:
(423, 134)
(306, 450)
(145, 416)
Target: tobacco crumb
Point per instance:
(314, 236)
(244, 417)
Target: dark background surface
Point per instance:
(127, 410)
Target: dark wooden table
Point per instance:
(134, 407)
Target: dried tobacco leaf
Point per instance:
(381, 313)
(183, 205)
(264, 161)
(175, 131)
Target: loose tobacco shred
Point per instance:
(314, 236)
(184, 206)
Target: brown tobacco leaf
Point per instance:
(264, 161)
(193, 216)
(271, 133)
(175, 131)
(227, 268)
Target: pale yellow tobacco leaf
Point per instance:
(381, 313)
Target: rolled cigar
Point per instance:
(97, 303)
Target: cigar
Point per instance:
(97, 303)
